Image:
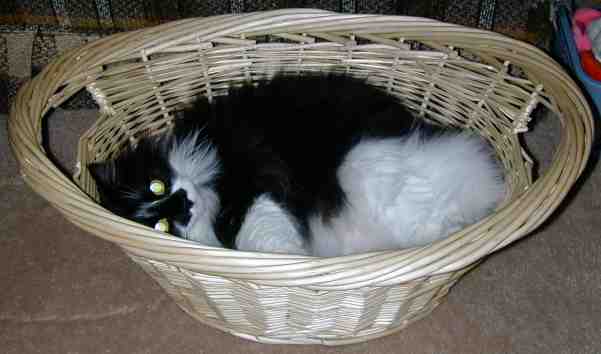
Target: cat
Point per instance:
(314, 164)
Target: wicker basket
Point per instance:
(446, 73)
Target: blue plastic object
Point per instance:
(564, 48)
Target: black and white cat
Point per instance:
(319, 164)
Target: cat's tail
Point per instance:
(410, 191)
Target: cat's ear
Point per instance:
(104, 173)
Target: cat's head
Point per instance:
(162, 183)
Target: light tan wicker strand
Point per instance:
(444, 73)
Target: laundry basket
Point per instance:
(444, 73)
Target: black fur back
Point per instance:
(287, 137)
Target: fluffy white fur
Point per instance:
(269, 228)
(400, 192)
(406, 193)
(194, 166)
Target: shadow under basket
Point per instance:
(445, 73)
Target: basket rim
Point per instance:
(74, 69)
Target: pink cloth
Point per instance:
(581, 19)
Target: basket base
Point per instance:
(314, 340)
(178, 284)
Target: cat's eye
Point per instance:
(157, 187)
(162, 225)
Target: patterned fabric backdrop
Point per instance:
(32, 32)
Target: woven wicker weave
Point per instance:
(446, 73)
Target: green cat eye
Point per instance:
(157, 187)
(162, 225)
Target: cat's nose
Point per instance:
(184, 206)
(187, 205)
(182, 197)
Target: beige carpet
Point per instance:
(65, 291)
